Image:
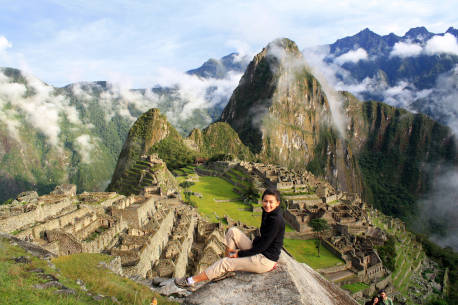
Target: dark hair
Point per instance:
(381, 290)
(373, 299)
(276, 193)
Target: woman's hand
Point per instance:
(234, 253)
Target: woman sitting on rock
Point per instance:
(242, 254)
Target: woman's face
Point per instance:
(375, 300)
(270, 203)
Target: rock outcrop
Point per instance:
(291, 283)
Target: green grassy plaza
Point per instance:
(355, 287)
(304, 251)
(212, 188)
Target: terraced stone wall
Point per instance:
(136, 215)
(56, 223)
(63, 243)
(104, 239)
(42, 212)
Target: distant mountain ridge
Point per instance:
(404, 71)
(214, 68)
(379, 45)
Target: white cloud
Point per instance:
(243, 50)
(85, 146)
(352, 56)
(189, 93)
(442, 44)
(7, 116)
(193, 91)
(4, 44)
(405, 49)
(41, 108)
(326, 74)
(441, 99)
(441, 206)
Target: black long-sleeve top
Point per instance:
(272, 233)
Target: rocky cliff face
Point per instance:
(398, 152)
(279, 108)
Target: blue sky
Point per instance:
(130, 41)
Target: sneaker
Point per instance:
(182, 282)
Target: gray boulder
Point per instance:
(291, 283)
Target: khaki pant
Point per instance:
(236, 239)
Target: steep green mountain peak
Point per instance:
(279, 107)
(219, 139)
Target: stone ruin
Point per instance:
(352, 236)
(153, 235)
(281, 178)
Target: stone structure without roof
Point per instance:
(152, 234)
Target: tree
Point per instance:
(187, 194)
(250, 195)
(186, 184)
(319, 225)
